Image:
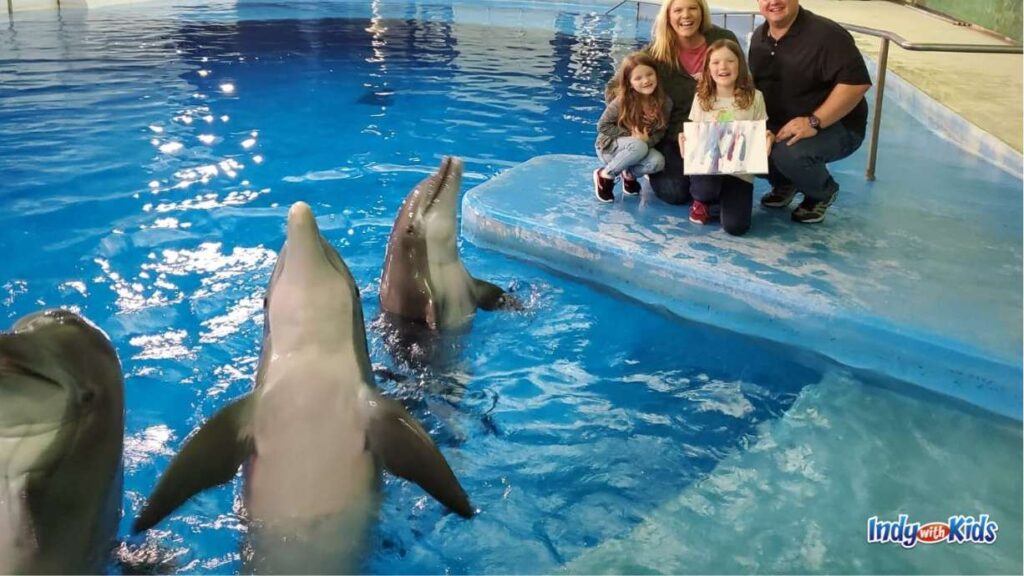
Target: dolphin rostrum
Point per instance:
(424, 279)
(313, 433)
(61, 440)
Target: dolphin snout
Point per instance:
(302, 224)
(300, 214)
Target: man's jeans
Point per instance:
(803, 164)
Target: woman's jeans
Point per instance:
(671, 185)
(634, 155)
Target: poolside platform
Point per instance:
(906, 276)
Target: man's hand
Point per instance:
(796, 130)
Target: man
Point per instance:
(813, 79)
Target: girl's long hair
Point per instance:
(631, 109)
(744, 94)
(665, 43)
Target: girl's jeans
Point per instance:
(634, 155)
(733, 195)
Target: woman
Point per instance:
(682, 32)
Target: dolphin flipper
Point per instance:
(488, 296)
(405, 449)
(209, 458)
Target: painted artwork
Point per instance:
(736, 147)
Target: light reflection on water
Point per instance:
(152, 160)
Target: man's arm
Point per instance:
(841, 101)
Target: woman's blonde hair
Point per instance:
(631, 109)
(665, 43)
(744, 92)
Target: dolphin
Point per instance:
(61, 441)
(314, 432)
(424, 279)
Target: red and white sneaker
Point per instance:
(699, 213)
(603, 187)
(630, 185)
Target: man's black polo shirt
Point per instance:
(797, 73)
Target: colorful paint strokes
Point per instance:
(737, 147)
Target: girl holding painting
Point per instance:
(725, 93)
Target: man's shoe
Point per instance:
(630, 185)
(603, 187)
(699, 213)
(813, 211)
(779, 197)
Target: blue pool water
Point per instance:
(149, 155)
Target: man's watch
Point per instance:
(814, 121)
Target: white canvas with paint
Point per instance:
(736, 147)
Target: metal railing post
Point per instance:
(876, 118)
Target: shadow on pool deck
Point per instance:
(916, 275)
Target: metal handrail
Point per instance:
(883, 56)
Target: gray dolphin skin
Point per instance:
(314, 433)
(61, 440)
(424, 279)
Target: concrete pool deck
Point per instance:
(905, 276)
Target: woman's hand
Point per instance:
(641, 134)
(682, 143)
(770, 137)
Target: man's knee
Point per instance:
(799, 155)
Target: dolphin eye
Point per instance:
(88, 396)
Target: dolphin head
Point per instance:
(422, 237)
(428, 213)
(57, 369)
(312, 299)
(61, 440)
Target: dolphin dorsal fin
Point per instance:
(210, 457)
(405, 449)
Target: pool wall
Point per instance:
(21, 5)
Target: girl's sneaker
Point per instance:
(699, 213)
(603, 187)
(630, 185)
